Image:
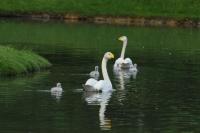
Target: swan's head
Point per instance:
(123, 38)
(135, 65)
(96, 68)
(109, 55)
(58, 84)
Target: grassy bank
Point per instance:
(145, 8)
(13, 62)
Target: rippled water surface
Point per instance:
(164, 96)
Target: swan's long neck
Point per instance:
(123, 49)
(104, 70)
(96, 68)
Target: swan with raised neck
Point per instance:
(104, 69)
(122, 62)
(101, 85)
(124, 39)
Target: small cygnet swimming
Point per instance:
(134, 68)
(95, 73)
(58, 88)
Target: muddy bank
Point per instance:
(137, 21)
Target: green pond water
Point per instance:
(164, 96)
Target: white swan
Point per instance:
(57, 92)
(121, 62)
(101, 85)
(58, 88)
(95, 74)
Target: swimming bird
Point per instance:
(101, 85)
(121, 62)
(58, 88)
(134, 68)
(95, 73)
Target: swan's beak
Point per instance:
(120, 38)
(112, 56)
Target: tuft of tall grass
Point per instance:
(13, 62)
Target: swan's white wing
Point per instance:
(128, 61)
(89, 88)
(118, 62)
(99, 85)
(89, 85)
(103, 86)
(91, 82)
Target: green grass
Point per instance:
(144, 8)
(13, 62)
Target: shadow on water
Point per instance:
(162, 97)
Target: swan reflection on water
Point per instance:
(101, 99)
(123, 77)
(57, 95)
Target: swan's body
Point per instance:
(121, 62)
(101, 85)
(95, 74)
(58, 88)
